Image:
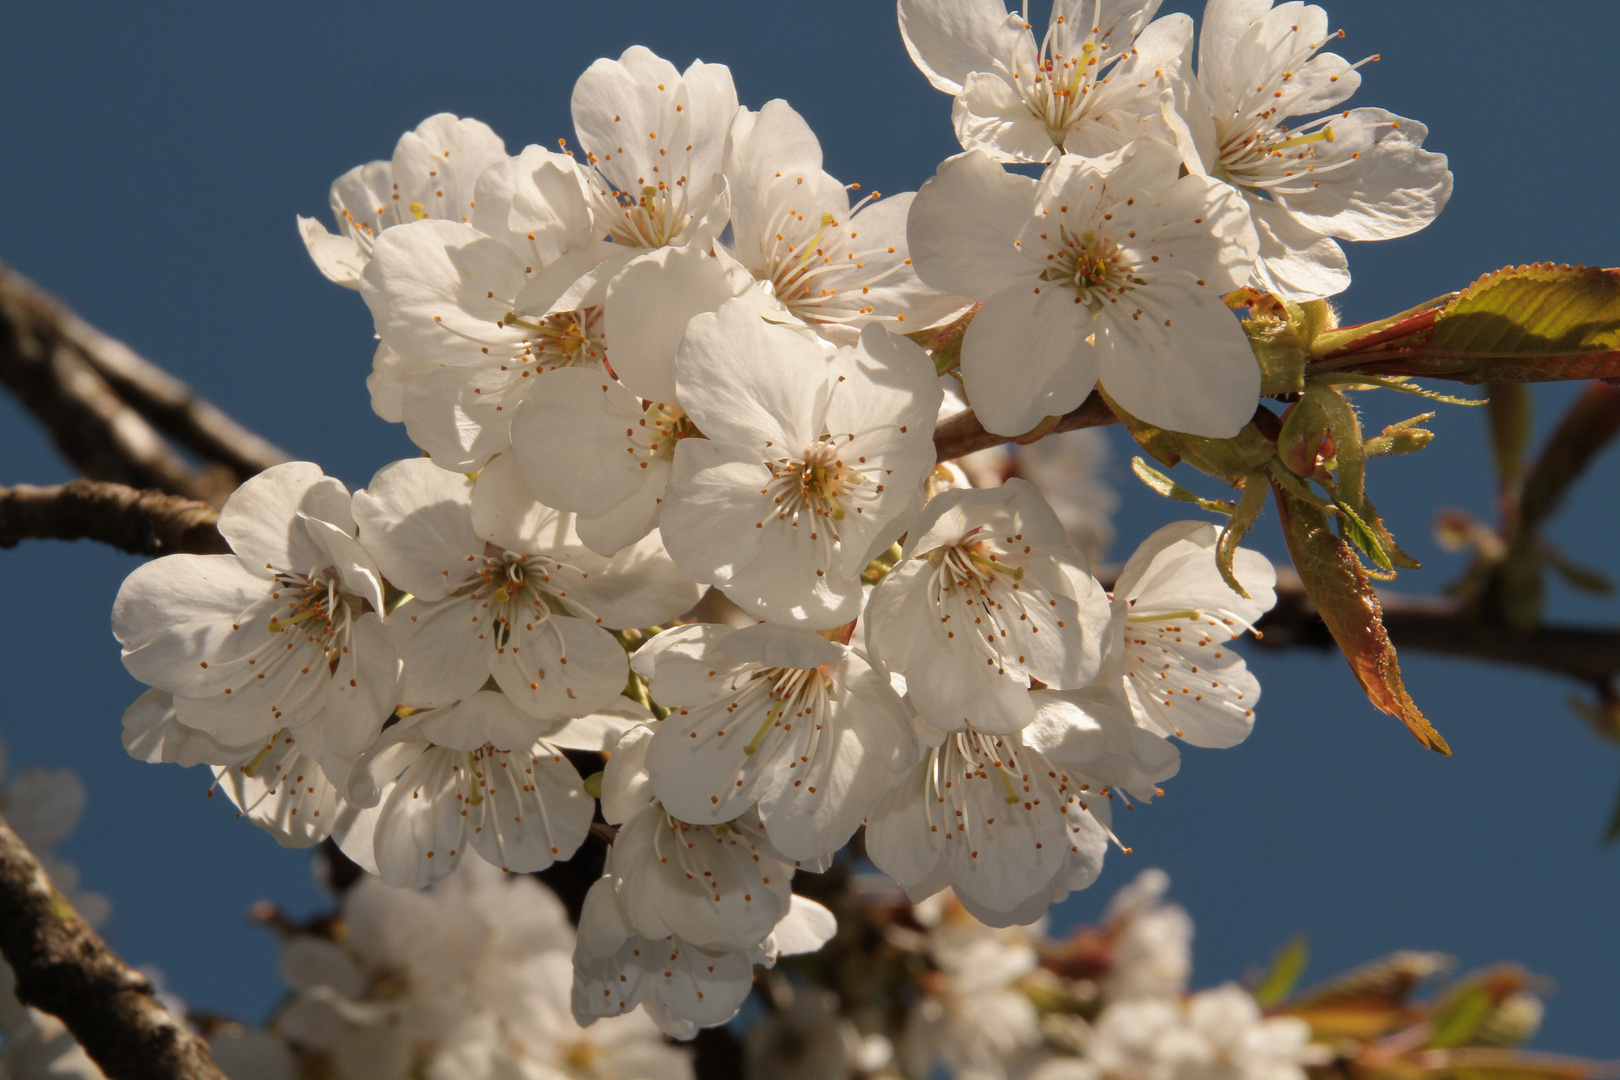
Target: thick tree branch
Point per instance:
(170, 405)
(139, 522)
(107, 409)
(64, 969)
(963, 434)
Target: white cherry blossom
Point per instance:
(1107, 270)
(1352, 174)
(602, 448)
(471, 314)
(681, 985)
(1089, 86)
(467, 980)
(775, 717)
(474, 776)
(1174, 620)
(973, 1018)
(720, 887)
(1015, 822)
(1152, 941)
(654, 139)
(809, 469)
(501, 587)
(1217, 1033)
(285, 634)
(431, 175)
(835, 266)
(987, 596)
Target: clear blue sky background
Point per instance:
(157, 153)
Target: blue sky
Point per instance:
(159, 154)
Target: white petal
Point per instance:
(483, 717)
(152, 733)
(340, 258)
(743, 380)
(992, 117)
(649, 303)
(1295, 263)
(259, 519)
(535, 810)
(805, 928)
(964, 225)
(421, 833)
(175, 614)
(570, 440)
(949, 39)
(363, 690)
(1026, 357)
(1393, 188)
(440, 290)
(416, 519)
(556, 666)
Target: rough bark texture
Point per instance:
(139, 522)
(64, 969)
(108, 410)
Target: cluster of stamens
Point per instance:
(1058, 89)
(823, 277)
(561, 339)
(1257, 150)
(813, 490)
(1094, 266)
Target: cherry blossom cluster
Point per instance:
(679, 500)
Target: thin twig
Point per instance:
(139, 522)
(962, 434)
(64, 969)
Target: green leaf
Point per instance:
(1284, 974)
(1537, 323)
(1344, 597)
(1167, 487)
(1360, 534)
(1457, 1017)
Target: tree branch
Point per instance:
(1590, 654)
(64, 969)
(107, 409)
(139, 522)
(962, 434)
(153, 523)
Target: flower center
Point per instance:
(562, 339)
(824, 277)
(316, 608)
(516, 588)
(818, 489)
(651, 219)
(1057, 89)
(1094, 266)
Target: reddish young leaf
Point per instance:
(1345, 600)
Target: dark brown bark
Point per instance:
(63, 968)
(108, 410)
(139, 522)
